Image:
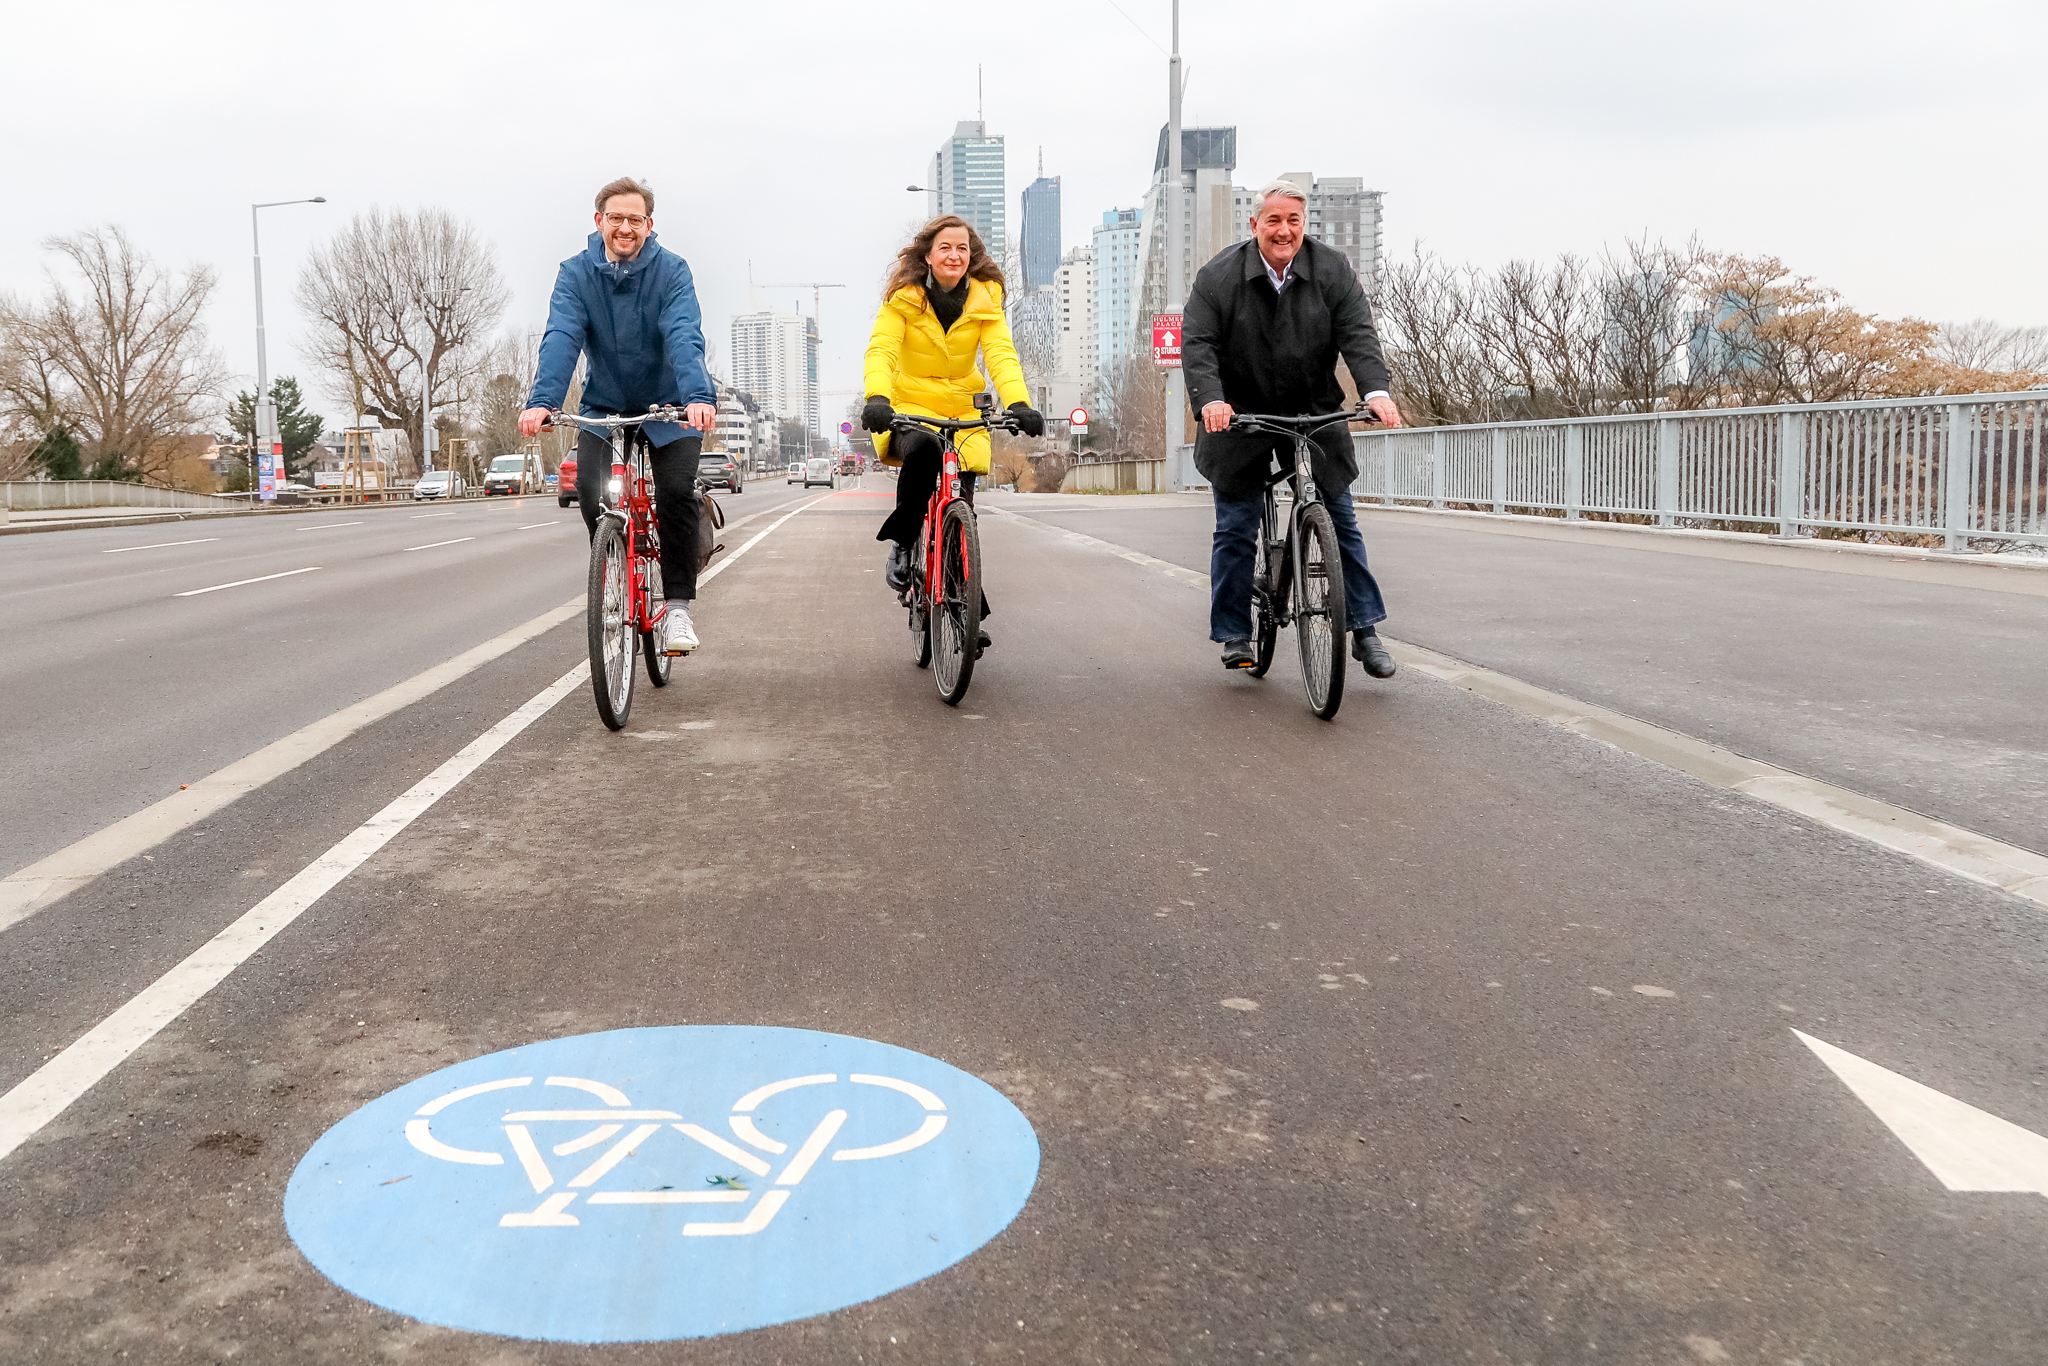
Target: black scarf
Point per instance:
(947, 304)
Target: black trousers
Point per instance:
(675, 502)
(924, 457)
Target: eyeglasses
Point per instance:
(622, 220)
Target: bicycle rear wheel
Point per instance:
(608, 615)
(1319, 619)
(1266, 597)
(956, 607)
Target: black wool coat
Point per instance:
(1267, 352)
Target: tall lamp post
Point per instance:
(1176, 379)
(265, 437)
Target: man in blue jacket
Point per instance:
(629, 305)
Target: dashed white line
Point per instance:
(123, 550)
(432, 544)
(260, 578)
(325, 526)
(531, 525)
(418, 515)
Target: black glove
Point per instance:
(1030, 421)
(877, 415)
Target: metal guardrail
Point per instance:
(1970, 467)
(21, 495)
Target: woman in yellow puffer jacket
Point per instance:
(942, 305)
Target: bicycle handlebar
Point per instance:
(661, 412)
(1297, 426)
(903, 422)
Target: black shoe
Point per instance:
(981, 642)
(1367, 650)
(897, 571)
(1237, 654)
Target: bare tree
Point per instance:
(1982, 344)
(125, 365)
(399, 301)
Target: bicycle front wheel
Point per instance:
(608, 615)
(956, 606)
(1319, 618)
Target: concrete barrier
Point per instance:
(101, 493)
(1116, 476)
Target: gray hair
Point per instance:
(1285, 188)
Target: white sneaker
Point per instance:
(678, 633)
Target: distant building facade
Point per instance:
(1040, 238)
(775, 359)
(966, 178)
(1114, 284)
(1342, 213)
(1073, 288)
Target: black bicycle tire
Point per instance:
(1265, 616)
(660, 667)
(956, 607)
(1321, 679)
(608, 545)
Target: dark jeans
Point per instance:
(1236, 543)
(675, 502)
(924, 457)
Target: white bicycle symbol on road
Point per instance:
(611, 1121)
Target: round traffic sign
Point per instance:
(846, 429)
(1079, 417)
(649, 1184)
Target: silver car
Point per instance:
(818, 471)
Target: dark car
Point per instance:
(719, 471)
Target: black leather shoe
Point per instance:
(981, 642)
(898, 570)
(1367, 650)
(1237, 654)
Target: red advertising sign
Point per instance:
(1166, 340)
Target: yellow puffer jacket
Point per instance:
(925, 370)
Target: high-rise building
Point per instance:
(1207, 157)
(1113, 286)
(1040, 237)
(1341, 213)
(775, 358)
(966, 178)
(1073, 378)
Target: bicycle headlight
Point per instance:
(615, 488)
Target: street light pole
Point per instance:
(265, 416)
(1170, 200)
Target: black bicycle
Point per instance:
(944, 596)
(1297, 571)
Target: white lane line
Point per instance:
(418, 515)
(325, 526)
(27, 891)
(260, 578)
(1951, 848)
(715, 570)
(45, 1093)
(531, 525)
(123, 550)
(434, 545)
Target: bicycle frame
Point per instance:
(1302, 479)
(628, 498)
(925, 572)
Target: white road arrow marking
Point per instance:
(1966, 1148)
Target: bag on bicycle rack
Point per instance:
(710, 520)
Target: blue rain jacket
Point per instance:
(639, 324)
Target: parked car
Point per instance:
(440, 484)
(818, 471)
(565, 486)
(512, 474)
(717, 470)
(796, 470)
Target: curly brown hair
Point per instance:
(911, 269)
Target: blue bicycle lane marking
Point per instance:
(661, 1183)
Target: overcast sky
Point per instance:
(1886, 148)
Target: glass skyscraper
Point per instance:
(967, 179)
(1041, 235)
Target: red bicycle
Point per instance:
(944, 596)
(625, 567)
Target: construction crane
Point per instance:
(815, 286)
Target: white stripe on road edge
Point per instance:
(1949, 847)
(124, 549)
(260, 578)
(46, 1092)
(325, 526)
(24, 893)
(436, 544)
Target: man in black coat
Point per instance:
(1265, 324)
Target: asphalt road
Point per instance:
(1919, 684)
(114, 689)
(1506, 1073)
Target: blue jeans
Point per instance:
(1236, 543)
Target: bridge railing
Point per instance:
(99, 493)
(1965, 468)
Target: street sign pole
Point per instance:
(1175, 429)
